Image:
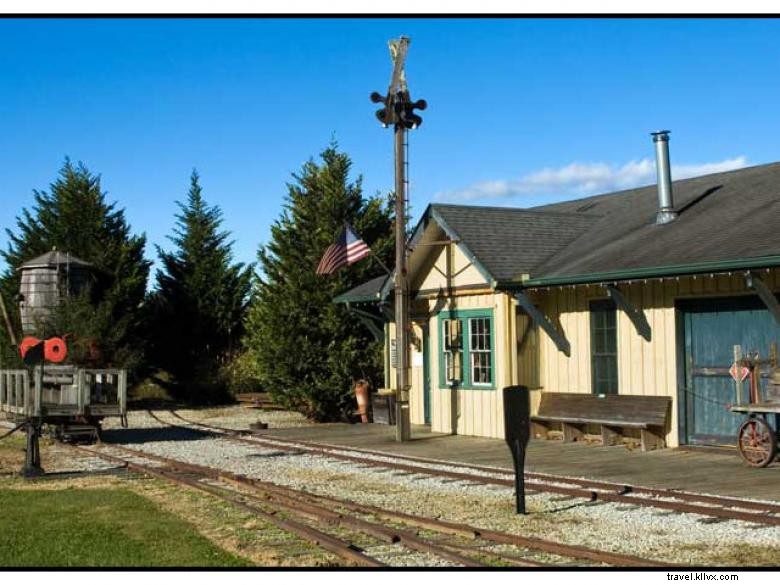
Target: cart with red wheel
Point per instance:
(758, 435)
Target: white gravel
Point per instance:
(642, 531)
(232, 417)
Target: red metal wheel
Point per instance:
(26, 344)
(757, 442)
(55, 350)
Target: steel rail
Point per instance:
(319, 513)
(343, 549)
(459, 529)
(767, 507)
(592, 491)
(462, 529)
(296, 507)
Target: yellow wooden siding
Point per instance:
(527, 353)
(648, 368)
(460, 272)
(644, 367)
(475, 412)
(416, 404)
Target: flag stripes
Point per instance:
(348, 249)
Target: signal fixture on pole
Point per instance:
(398, 111)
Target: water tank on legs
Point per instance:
(44, 281)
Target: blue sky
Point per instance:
(521, 111)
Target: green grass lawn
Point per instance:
(98, 528)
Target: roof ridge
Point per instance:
(638, 187)
(530, 210)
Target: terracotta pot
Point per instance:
(362, 395)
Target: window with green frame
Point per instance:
(603, 347)
(467, 349)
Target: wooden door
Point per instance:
(712, 328)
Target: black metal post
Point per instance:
(398, 112)
(402, 415)
(517, 421)
(518, 453)
(32, 460)
(34, 359)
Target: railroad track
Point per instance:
(315, 518)
(721, 507)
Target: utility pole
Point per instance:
(399, 112)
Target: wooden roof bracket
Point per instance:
(754, 282)
(387, 311)
(558, 337)
(635, 315)
(370, 321)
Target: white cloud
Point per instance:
(581, 179)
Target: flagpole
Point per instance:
(379, 260)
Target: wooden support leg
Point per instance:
(571, 433)
(611, 436)
(651, 440)
(539, 430)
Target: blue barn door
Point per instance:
(712, 328)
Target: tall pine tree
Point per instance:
(308, 351)
(75, 217)
(200, 301)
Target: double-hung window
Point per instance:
(452, 350)
(603, 347)
(480, 351)
(467, 346)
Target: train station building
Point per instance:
(607, 297)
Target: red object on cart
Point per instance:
(27, 344)
(55, 350)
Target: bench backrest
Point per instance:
(650, 410)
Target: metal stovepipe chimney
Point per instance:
(666, 212)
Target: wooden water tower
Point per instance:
(44, 281)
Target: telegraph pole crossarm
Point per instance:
(398, 111)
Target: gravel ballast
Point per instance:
(617, 527)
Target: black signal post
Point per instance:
(398, 112)
(517, 432)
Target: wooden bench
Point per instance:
(612, 412)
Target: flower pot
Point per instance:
(362, 396)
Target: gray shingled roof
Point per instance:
(510, 242)
(53, 258)
(727, 218)
(723, 217)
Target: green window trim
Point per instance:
(464, 316)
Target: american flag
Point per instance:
(348, 249)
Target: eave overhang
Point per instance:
(719, 266)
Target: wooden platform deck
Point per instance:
(709, 471)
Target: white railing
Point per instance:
(15, 395)
(100, 391)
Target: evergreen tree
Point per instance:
(75, 217)
(308, 351)
(200, 301)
